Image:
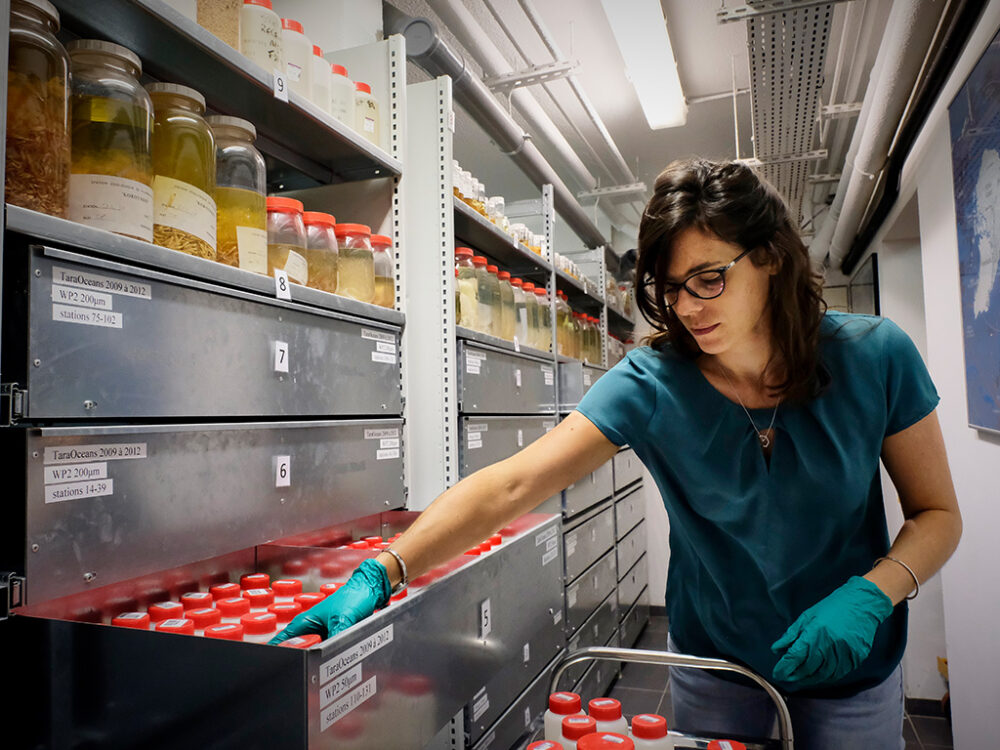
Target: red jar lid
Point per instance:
(254, 581)
(317, 51)
(328, 588)
(508, 531)
(539, 291)
(259, 623)
(320, 218)
(332, 570)
(372, 541)
(575, 727)
(493, 269)
(496, 540)
(360, 544)
(339, 70)
(726, 745)
(463, 252)
(564, 704)
(286, 611)
(544, 745)
(504, 276)
(262, 3)
(204, 616)
(286, 587)
(137, 620)
(605, 709)
(364, 87)
(284, 205)
(301, 641)
(479, 260)
(180, 625)
(165, 610)
(529, 287)
(224, 590)
(288, 23)
(197, 600)
(475, 552)
(605, 741)
(235, 606)
(259, 597)
(649, 726)
(401, 595)
(485, 546)
(231, 631)
(342, 230)
(309, 600)
(380, 240)
(517, 282)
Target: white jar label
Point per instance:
(182, 206)
(369, 125)
(294, 71)
(297, 268)
(251, 244)
(112, 203)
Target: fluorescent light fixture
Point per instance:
(641, 32)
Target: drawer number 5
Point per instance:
(485, 619)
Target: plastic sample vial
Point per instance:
(197, 600)
(366, 118)
(726, 745)
(328, 588)
(321, 250)
(260, 599)
(309, 600)
(184, 211)
(298, 57)
(649, 732)
(286, 239)
(111, 114)
(255, 581)
(285, 590)
(165, 611)
(532, 314)
(607, 712)
(260, 35)
(203, 617)
(468, 288)
(301, 641)
(179, 625)
(233, 609)
(496, 305)
(561, 705)
(356, 264)
(285, 612)
(385, 285)
(135, 620)
(520, 312)
(224, 590)
(574, 728)
(320, 91)
(484, 295)
(341, 95)
(605, 741)
(229, 631)
(259, 627)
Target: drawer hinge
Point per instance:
(11, 593)
(14, 400)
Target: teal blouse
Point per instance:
(753, 544)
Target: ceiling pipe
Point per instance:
(426, 48)
(901, 56)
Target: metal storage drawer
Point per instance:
(112, 341)
(109, 503)
(632, 584)
(629, 510)
(585, 595)
(486, 440)
(588, 540)
(628, 468)
(492, 381)
(635, 620)
(631, 548)
(518, 718)
(587, 491)
(575, 379)
(599, 675)
(596, 631)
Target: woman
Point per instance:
(762, 420)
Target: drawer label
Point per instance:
(387, 432)
(82, 297)
(586, 378)
(386, 346)
(76, 472)
(347, 659)
(71, 454)
(367, 333)
(481, 704)
(386, 359)
(549, 425)
(543, 536)
(571, 597)
(570, 544)
(474, 436)
(58, 493)
(339, 686)
(385, 454)
(475, 444)
(87, 317)
(339, 709)
(388, 443)
(550, 556)
(551, 544)
(98, 282)
(477, 427)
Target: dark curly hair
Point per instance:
(737, 205)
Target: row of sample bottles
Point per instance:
(472, 192)
(488, 300)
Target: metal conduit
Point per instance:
(426, 48)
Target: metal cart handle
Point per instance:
(670, 659)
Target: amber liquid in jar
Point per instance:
(323, 269)
(356, 275)
(277, 258)
(237, 207)
(385, 292)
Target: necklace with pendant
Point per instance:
(762, 436)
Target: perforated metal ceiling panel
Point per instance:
(787, 51)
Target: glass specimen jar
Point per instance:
(385, 284)
(321, 250)
(286, 239)
(356, 262)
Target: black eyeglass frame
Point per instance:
(670, 287)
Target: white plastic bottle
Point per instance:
(561, 705)
(366, 117)
(607, 712)
(321, 75)
(285, 590)
(298, 57)
(259, 627)
(341, 95)
(260, 35)
(203, 617)
(649, 732)
(574, 728)
(605, 741)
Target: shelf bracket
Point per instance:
(613, 190)
(532, 76)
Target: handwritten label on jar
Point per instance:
(297, 268)
(251, 249)
(339, 709)
(82, 297)
(87, 317)
(58, 493)
(347, 659)
(98, 282)
(112, 203)
(181, 205)
(70, 454)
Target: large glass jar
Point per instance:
(240, 195)
(468, 288)
(286, 239)
(322, 252)
(544, 320)
(385, 284)
(484, 296)
(38, 136)
(520, 312)
(507, 310)
(356, 266)
(531, 310)
(260, 35)
(496, 310)
(111, 115)
(366, 117)
(184, 213)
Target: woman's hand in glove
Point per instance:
(365, 591)
(833, 637)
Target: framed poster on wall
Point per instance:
(974, 117)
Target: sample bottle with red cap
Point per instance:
(285, 612)
(177, 625)
(260, 35)
(286, 239)
(298, 57)
(233, 608)
(301, 641)
(285, 590)
(224, 590)
(203, 617)
(355, 262)
(320, 91)
(545, 745)
(259, 627)
(605, 741)
(607, 712)
(574, 728)
(255, 581)
(484, 295)
(649, 732)
(134, 620)
(366, 117)
(260, 599)
(197, 600)
(227, 631)
(467, 287)
(165, 611)
(341, 95)
(561, 705)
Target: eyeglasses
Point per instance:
(703, 284)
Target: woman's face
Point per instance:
(735, 318)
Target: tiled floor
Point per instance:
(644, 688)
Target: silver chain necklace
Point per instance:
(765, 441)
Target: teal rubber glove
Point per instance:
(365, 591)
(833, 637)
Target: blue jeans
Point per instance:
(709, 706)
